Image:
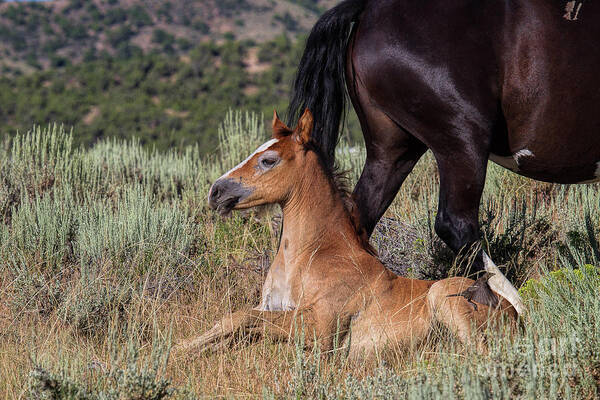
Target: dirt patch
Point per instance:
(91, 115)
(144, 38)
(174, 113)
(251, 90)
(253, 64)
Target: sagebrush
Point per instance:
(110, 254)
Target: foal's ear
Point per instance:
(304, 128)
(279, 128)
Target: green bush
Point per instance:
(95, 304)
(547, 285)
(138, 16)
(288, 21)
(44, 227)
(115, 16)
(120, 35)
(136, 225)
(35, 291)
(162, 37)
(201, 26)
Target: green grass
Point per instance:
(109, 254)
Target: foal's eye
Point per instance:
(268, 162)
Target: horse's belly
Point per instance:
(549, 168)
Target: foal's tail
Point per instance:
(320, 84)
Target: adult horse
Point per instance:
(514, 81)
(324, 275)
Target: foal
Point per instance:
(325, 275)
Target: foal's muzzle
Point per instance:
(225, 194)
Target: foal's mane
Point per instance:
(339, 182)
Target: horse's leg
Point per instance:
(461, 317)
(391, 155)
(279, 325)
(455, 313)
(462, 177)
(325, 331)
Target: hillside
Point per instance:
(42, 35)
(164, 101)
(163, 72)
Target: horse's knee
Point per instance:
(456, 231)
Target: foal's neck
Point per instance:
(314, 215)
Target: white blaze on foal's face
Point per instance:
(262, 148)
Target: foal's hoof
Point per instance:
(479, 292)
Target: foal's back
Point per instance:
(401, 312)
(389, 310)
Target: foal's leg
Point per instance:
(391, 155)
(221, 331)
(455, 313)
(461, 318)
(280, 325)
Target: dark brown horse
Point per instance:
(515, 81)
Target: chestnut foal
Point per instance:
(325, 275)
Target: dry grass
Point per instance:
(91, 301)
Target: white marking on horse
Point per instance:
(570, 7)
(277, 291)
(502, 286)
(263, 147)
(276, 302)
(522, 153)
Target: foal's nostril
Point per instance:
(225, 194)
(215, 192)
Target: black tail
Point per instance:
(320, 82)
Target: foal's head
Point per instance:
(267, 175)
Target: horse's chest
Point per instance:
(277, 289)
